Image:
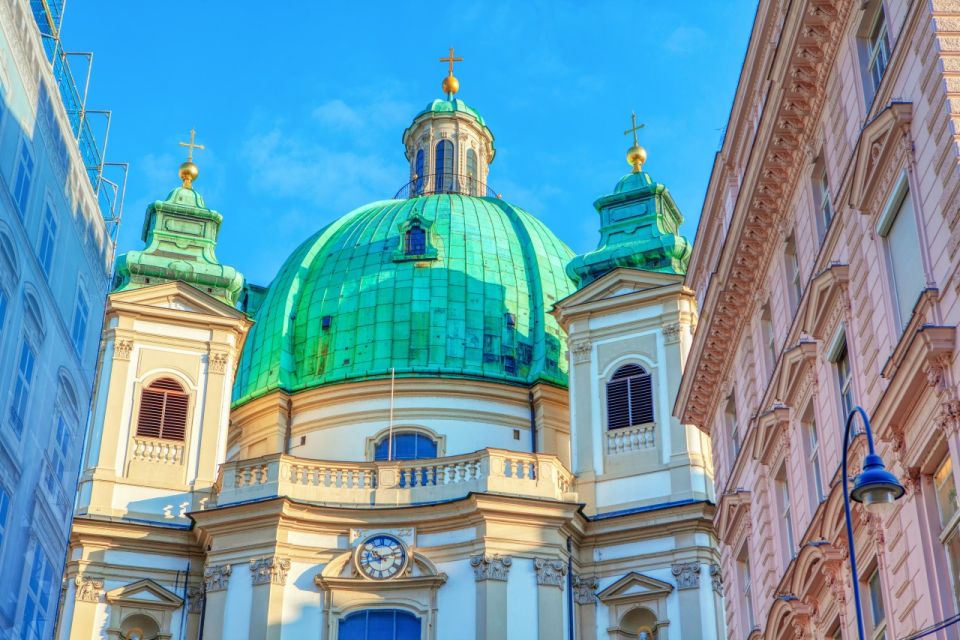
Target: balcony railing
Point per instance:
(384, 484)
(445, 183)
(630, 439)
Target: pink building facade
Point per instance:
(826, 274)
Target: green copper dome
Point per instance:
(443, 285)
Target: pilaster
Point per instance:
(216, 578)
(268, 577)
(585, 602)
(550, 583)
(490, 572)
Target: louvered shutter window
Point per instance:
(629, 398)
(163, 411)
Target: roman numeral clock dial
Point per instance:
(381, 557)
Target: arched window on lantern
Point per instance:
(443, 167)
(163, 410)
(418, 185)
(472, 172)
(629, 397)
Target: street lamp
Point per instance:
(875, 488)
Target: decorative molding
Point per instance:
(269, 570)
(671, 333)
(716, 578)
(122, 348)
(89, 589)
(218, 361)
(948, 419)
(687, 574)
(580, 350)
(215, 578)
(195, 596)
(550, 571)
(585, 589)
(493, 567)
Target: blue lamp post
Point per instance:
(875, 488)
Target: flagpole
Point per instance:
(390, 434)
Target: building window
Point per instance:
(408, 445)
(874, 48)
(898, 228)
(37, 598)
(48, 241)
(786, 513)
(163, 411)
(379, 624)
(878, 616)
(629, 397)
(768, 337)
(733, 428)
(841, 363)
(4, 512)
(444, 167)
(946, 489)
(60, 449)
(81, 314)
(813, 454)
(418, 185)
(21, 182)
(3, 309)
(472, 172)
(21, 386)
(415, 240)
(821, 197)
(746, 592)
(792, 264)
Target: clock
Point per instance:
(381, 557)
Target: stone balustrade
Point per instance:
(157, 451)
(398, 482)
(630, 439)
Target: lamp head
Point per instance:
(875, 487)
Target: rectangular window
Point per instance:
(48, 241)
(21, 182)
(81, 314)
(21, 387)
(841, 363)
(4, 511)
(37, 597)
(821, 197)
(786, 513)
(3, 309)
(898, 227)
(878, 616)
(60, 449)
(794, 279)
(746, 591)
(730, 417)
(768, 337)
(877, 51)
(813, 455)
(946, 490)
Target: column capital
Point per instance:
(687, 574)
(490, 567)
(216, 577)
(550, 571)
(585, 589)
(269, 570)
(89, 589)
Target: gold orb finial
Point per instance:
(189, 171)
(450, 84)
(636, 155)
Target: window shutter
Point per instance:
(641, 400)
(629, 398)
(163, 411)
(618, 404)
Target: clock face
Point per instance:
(381, 556)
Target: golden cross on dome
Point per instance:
(450, 59)
(636, 127)
(191, 145)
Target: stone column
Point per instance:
(585, 598)
(550, 583)
(268, 577)
(88, 594)
(215, 581)
(688, 588)
(491, 572)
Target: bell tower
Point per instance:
(448, 145)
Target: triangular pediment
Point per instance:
(616, 286)
(634, 586)
(796, 362)
(178, 296)
(771, 427)
(144, 593)
(880, 145)
(827, 300)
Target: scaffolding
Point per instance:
(109, 190)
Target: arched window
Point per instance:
(163, 410)
(443, 167)
(471, 172)
(419, 169)
(629, 398)
(415, 240)
(407, 445)
(379, 624)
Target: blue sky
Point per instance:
(301, 109)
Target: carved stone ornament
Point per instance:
(269, 570)
(687, 574)
(215, 578)
(493, 567)
(716, 577)
(671, 333)
(122, 348)
(218, 361)
(88, 589)
(195, 599)
(580, 349)
(585, 589)
(550, 572)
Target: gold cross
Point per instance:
(636, 127)
(451, 60)
(191, 145)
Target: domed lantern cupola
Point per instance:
(448, 145)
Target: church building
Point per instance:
(437, 422)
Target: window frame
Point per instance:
(47, 241)
(791, 262)
(745, 587)
(900, 197)
(949, 534)
(25, 165)
(768, 335)
(416, 433)
(646, 394)
(78, 334)
(873, 583)
(22, 384)
(785, 506)
(823, 201)
(846, 392)
(812, 441)
(184, 392)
